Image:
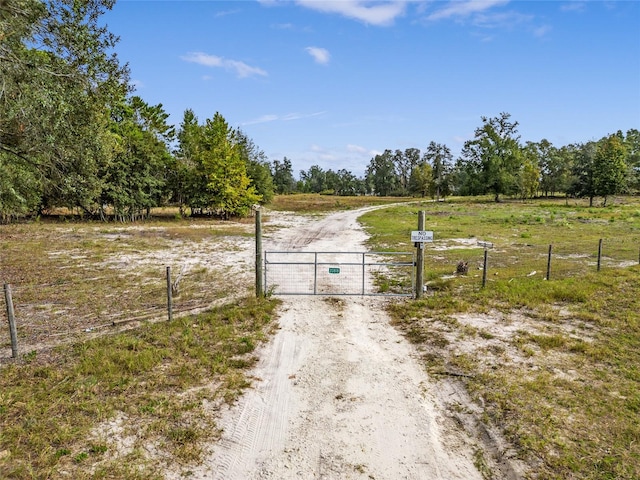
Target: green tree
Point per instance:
(421, 182)
(257, 165)
(404, 162)
(135, 178)
(314, 180)
(381, 174)
(609, 167)
(494, 154)
(583, 184)
(58, 80)
(529, 175)
(440, 157)
(19, 190)
(212, 169)
(282, 173)
(346, 183)
(188, 182)
(228, 187)
(555, 168)
(632, 146)
(465, 179)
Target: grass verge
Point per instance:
(124, 406)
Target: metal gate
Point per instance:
(339, 273)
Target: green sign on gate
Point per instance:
(334, 270)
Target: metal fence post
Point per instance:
(484, 268)
(12, 320)
(169, 295)
(549, 263)
(599, 253)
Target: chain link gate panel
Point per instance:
(339, 273)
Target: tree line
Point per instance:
(494, 162)
(73, 135)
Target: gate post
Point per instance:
(259, 277)
(420, 257)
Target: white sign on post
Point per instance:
(421, 236)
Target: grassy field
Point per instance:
(314, 203)
(155, 385)
(159, 385)
(555, 364)
(148, 383)
(69, 276)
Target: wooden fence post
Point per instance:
(484, 268)
(549, 263)
(420, 258)
(259, 274)
(169, 295)
(12, 320)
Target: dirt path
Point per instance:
(338, 393)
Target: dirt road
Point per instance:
(338, 393)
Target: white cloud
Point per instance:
(262, 119)
(283, 118)
(542, 30)
(241, 69)
(465, 8)
(224, 13)
(356, 149)
(367, 11)
(320, 55)
(574, 6)
(508, 20)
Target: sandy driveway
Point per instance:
(338, 392)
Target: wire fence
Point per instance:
(49, 314)
(45, 315)
(544, 261)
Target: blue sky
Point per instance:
(332, 83)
